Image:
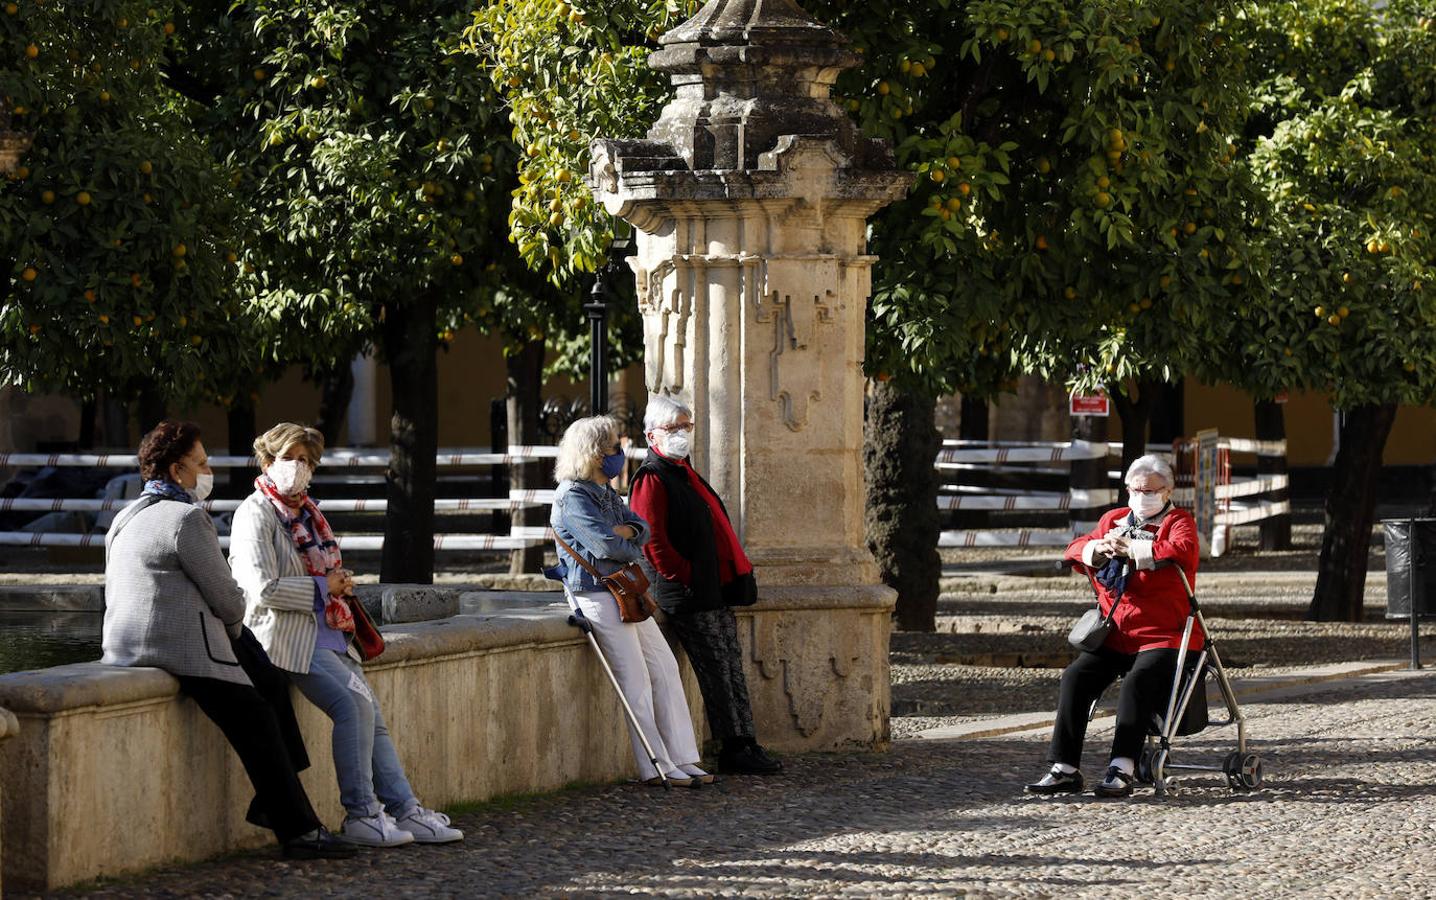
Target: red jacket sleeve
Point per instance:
(1178, 542)
(1104, 525)
(649, 499)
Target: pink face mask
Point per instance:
(290, 476)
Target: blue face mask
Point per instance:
(613, 465)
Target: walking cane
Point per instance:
(580, 621)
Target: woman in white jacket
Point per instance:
(298, 597)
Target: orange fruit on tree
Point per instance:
(90, 296)
(83, 198)
(964, 188)
(954, 204)
(457, 259)
(1190, 228)
(29, 273)
(146, 167)
(1041, 242)
(180, 250)
(937, 175)
(47, 197)
(135, 279)
(32, 51)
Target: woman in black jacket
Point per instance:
(698, 572)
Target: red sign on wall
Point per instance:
(1090, 405)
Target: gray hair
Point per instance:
(584, 445)
(1152, 464)
(663, 410)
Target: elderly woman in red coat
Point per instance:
(1141, 648)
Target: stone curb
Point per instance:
(1245, 688)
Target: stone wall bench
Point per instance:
(112, 771)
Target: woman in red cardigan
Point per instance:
(1142, 647)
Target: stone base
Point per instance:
(113, 771)
(816, 661)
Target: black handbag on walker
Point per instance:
(1091, 628)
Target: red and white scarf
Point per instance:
(317, 549)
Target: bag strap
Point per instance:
(579, 559)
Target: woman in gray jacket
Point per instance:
(171, 603)
(300, 597)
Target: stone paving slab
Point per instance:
(1347, 812)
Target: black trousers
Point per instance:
(710, 638)
(259, 724)
(1146, 687)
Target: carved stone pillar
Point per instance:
(750, 197)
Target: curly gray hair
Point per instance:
(1152, 464)
(663, 410)
(584, 445)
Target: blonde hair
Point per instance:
(583, 447)
(273, 443)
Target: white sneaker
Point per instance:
(429, 827)
(374, 831)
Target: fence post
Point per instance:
(1088, 474)
(1271, 426)
(498, 475)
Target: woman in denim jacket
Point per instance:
(591, 517)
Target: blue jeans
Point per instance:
(364, 757)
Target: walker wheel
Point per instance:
(1144, 766)
(1243, 771)
(1250, 775)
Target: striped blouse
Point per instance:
(278, 590)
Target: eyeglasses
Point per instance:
(1145, 492)
(678, 426)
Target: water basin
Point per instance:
(37, 639)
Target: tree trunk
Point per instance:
(972, 424)
(408, 330)
(88, 410)
(525, 410)
(336, 389)
(151, 408)
(1136, 413)
(1271, 426)
(243, 429)
(1088, 475)
(900, 448)
(115, 422)
(1168, 421)
(1350, 509)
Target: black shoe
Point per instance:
(749, 759)
(1056, 782)
(321, 845)
(1116, 784)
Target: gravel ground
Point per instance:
(1347, 812)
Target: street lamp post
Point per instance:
(597, 309)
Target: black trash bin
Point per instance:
(1410, 573)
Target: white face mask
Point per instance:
(1147, 505)
(676, 445)
(290, 476)
(204, 483)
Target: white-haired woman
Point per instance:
(1124, 549)
(699, 572)
(590, 517)
(299, 598)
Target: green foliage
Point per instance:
(1077, 212)
(1060, 150)
(118, 226)
(375, 160)
(569, 75)
(1343, 136)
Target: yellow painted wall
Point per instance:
(1308, 425)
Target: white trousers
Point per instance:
(646, 670)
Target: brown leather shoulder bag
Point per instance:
(629, 586)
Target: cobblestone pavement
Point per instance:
(1347, 812)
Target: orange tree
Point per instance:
(376, 163)
(1077, 213)
(117, 228)
(1343, 145)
